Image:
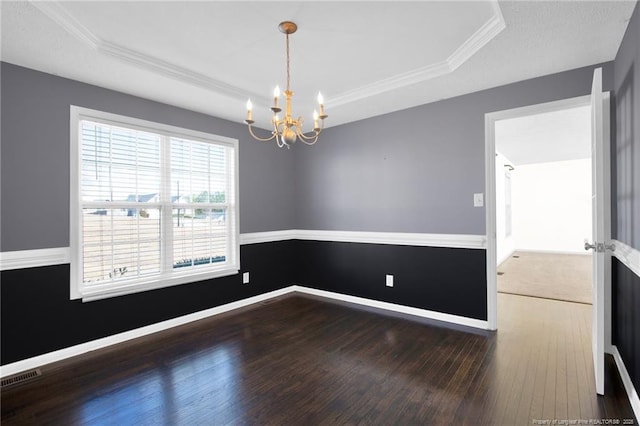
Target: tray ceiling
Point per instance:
(368, 58)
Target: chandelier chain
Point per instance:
(288, 66)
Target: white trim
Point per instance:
(490, 219)
(267, 237)
(61, 16)
(33, 258)
(479, 39)
(632, 393)
(166, 276)
(59, 355)
(580, 253)
(504, 257)
(395, 238)
(629, 256)
(423, 313)
(466, 50)
(37, 361)
(60, 255)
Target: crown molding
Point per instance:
(466, 50)
(57, 12)
(479, 39)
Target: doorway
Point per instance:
(543, 205)
(601, 233)
(490, 185)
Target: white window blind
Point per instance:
(152, 205)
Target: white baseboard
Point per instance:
(632, 393)
(423, 313)
(499, 262)
(59, 355)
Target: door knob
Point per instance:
(599, 247)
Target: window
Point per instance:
(151, 205)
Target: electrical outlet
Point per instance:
(389, 280)
(245, 278)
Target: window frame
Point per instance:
(164, 278)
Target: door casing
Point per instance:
(490, 197)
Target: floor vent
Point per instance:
(515, 256)
(20, 378)
(500, 273)
(266, 302)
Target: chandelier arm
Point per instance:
(273, 135)
(308, 139)
(312, 140)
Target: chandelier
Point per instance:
(287, 130)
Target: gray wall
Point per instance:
(410, 171)
(626, 156)
(415, 170)
(35, 157)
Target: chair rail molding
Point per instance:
(629, 256)
(56, 256)
(34, 258)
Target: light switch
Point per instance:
(478, 200)
(245, 278)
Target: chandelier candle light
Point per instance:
(287, 131)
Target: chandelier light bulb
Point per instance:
(320, 98)
(276, 92)
(249, 119)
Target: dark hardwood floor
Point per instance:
(302, 360)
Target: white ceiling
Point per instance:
(542, 138)
(367, 57)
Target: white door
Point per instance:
(600, 232)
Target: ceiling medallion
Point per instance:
(287, 130)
